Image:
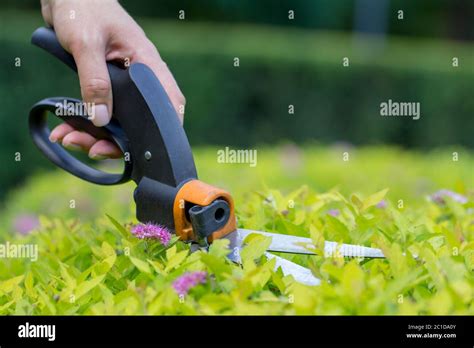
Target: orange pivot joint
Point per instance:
(200, 194)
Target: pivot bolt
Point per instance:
(147, 155)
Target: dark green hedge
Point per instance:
(248, 105)
(427, 18)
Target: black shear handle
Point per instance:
(66, 109)
(147, 126)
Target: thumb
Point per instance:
(95, 84)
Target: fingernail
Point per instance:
(96, 156)
(52, 139)
(72, 146)
(100, 115)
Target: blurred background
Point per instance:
(283, 62)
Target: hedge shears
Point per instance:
(158, 158)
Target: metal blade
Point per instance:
(300, 273)
(297, 245)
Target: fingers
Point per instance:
(58, 133)
(81, 141)
(94, 78)
(104, 149)
(97, 93)
(46, 12)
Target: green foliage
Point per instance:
(89, 262)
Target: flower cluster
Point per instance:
(26, 223)
(438, 197)
(152, 231)
(333, 212)
(187, 281)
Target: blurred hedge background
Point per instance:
(282, 62)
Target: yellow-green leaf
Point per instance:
(170, 252)
(141, 265)
(255, 247)
(374, 199)
(86, 286)
(176, 260)
(29, 285)
(357, 202)
(119, 227)
(7, 285)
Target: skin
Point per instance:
(95, 32)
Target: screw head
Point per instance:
(147, 155)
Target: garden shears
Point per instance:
(158, 158)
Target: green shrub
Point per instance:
(90, 264)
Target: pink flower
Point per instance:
(187, 281)
(438, 197)
(382, 204)
(333, 212)
(152, 231)
(25, 223)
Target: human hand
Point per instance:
(95, 32)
